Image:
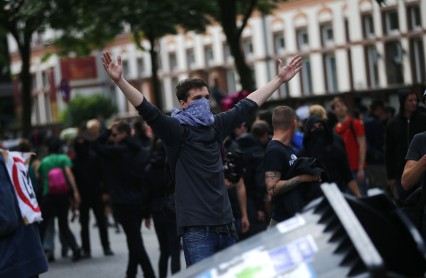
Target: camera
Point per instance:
(232, 167)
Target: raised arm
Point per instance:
(115, 72)
(413, 172)
(284, 75)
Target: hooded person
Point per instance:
(319, 143)
(88, 173)
(399, 133)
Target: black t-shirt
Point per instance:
(279, 158)
(417, 150)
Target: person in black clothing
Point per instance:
(318, 142)
(399, 133)
(203, 210)
(125, 161)
(164, 223)
(375, 138)
(251, 149)
(88, 173)
(279, 157)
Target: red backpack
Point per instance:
(57, 182)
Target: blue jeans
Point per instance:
(363, 186)
(200, 242)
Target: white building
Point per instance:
(348, 46)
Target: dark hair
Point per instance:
(336, 100)
(283, 117)
(24, 145)
(122, 127)
(54, 145)
(259, 128)
(185, 85)
(377, 103)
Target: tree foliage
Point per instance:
(153, 20)
(85, 108)
(87, 25)
(23, 18)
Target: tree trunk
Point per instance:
(228, 19)
(154, 77)
(4, 59)
(26, 88)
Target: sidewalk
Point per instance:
(100, 265)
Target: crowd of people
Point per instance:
(208, 180)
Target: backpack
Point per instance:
(57, 182)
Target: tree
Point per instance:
(154, 19)
(228, 13)
(23, 18)
(83, 109)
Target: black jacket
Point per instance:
(331, 154)
(399, 133)
(124, 170)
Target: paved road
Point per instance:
(100, 265)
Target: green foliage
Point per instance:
(85, 108)
(87, 25)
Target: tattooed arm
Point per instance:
(276, 186)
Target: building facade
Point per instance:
(348, 46)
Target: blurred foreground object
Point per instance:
(336, 235)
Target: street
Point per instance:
(100, 265)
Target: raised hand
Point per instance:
(286, 73)
(114, 70)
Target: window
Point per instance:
(391, 22)
(414, 20)
(347, 37)
(330, 72)
(248, 48)
(208, 54)
(394, 53)
(372, 58)
(417, 60)
(141, 66)
(36, 109)
(48, 108)
(368, 26)
(159, 62)
(279, 43)
(306, 76)
(125, 66)
(37, 38)
(34, 81)
(231, 80)
(190, 58)
(45, 79)
(175, 101)
(327, 39)
(227, 54)
(172, 61)
(283, 91)
(302, 39)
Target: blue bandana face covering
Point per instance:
(196, 114)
